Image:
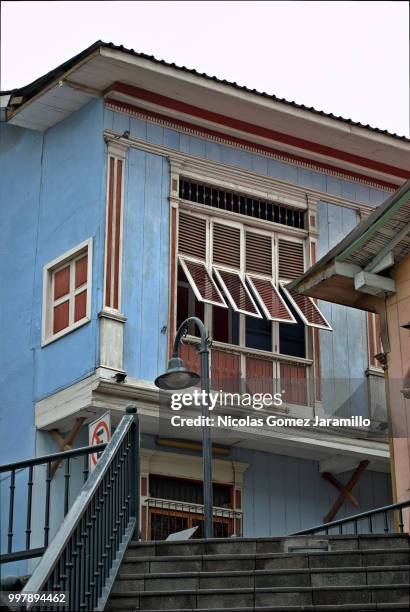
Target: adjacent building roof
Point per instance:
(375, 245)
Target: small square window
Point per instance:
(67, 292)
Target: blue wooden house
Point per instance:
(135, 193)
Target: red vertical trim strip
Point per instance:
(238, 501)
(117, 238)
(238, 527)
(316, 347)
(172, 282)
(370, 337)
(109, 233)
(143, 523)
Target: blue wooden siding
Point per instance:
(72, 209)
(285, 494)
(52, 198)
(232, 156)
(145, 288)
(343, 352)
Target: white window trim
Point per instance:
(48, 291)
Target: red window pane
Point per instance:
(80, 306)
(61, 282)
(81, 271)
(61, 317)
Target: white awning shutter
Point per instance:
(201, 282)
(273, 305)
(237, 292)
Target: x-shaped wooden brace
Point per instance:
(344, 490)
(65, 443)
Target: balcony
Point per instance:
(239, 370)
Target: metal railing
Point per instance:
(169, 516)
(18, 468)
(84, 557)
(366, 520)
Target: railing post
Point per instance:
(135, 472)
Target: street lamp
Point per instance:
(178, 377)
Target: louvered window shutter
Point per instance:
(307, 309)
(237, 292)
(202, 283)
(291, 259)
(258, 253)
(226, 246)
(259, 262)
(192, 236)
(270, 300)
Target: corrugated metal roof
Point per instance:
(31, 89)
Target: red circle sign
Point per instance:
(101, 435)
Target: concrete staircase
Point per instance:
(367, 572)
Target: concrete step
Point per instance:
(259, 561)
(214, 599)
(268, 545)
(326, 608)
(344, 576)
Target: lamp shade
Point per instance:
(176, 376)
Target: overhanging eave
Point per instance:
(335, 283)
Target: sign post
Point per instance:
(99, 432)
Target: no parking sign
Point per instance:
(99, 432)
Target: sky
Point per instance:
(348, 58)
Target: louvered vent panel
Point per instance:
(226, 245)
(192, 236)
(291, 260)
(258, 253)
(240, 204)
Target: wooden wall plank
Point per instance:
(283, 494)
(155, 133)
(259, 375)
(138, 128)
(121, 123)
(259, 163)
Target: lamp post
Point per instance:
(178, 377)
